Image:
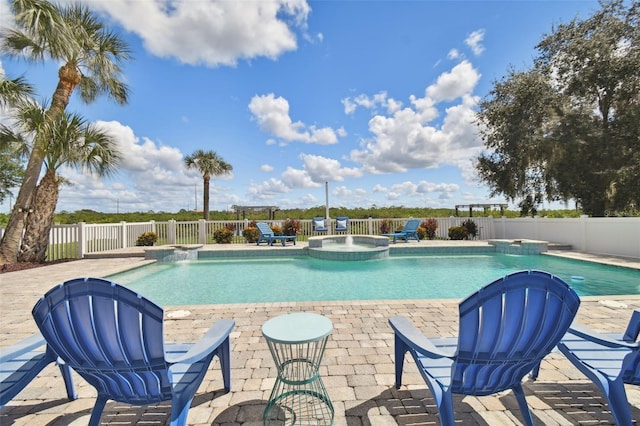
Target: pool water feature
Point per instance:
(349, 247)
(397, 277)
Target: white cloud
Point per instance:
(296, 178)
(474, 41)
(272, 115)
(213, 32)
(322, 169)
(266, 168)
(150, 176)
(267, 190)
(407, 139)
(462, 79)
(372, 103)
(454, 54)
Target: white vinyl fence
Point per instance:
(615, 236)
(607, 236)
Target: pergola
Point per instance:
(485, 207)
(244, 209)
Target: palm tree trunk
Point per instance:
(69, 78)
(205, 197)
(13, 233)
(36, 236)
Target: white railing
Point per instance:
(608, 236)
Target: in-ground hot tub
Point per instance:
(349, 247)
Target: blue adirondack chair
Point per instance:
(20, 364)
(267, 235)
(410, 230)
(505, 329)
(342, 224)
(319, 225)
(113, 338)
(609, 360)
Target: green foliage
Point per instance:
(291, 227)
(223, 236)
(458, 233)
(209, 164)
(11, 169)
(251, 234)
(471, 227)
(147, 239)
(91, 216)
(430, 226)
(569, 127)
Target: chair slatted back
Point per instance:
(110, 335)
(264, 229)
(411, 226)
(507, 327)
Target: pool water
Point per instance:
(307, 279)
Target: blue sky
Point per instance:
(377, 98)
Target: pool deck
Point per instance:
(357, 368)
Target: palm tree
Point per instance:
(72, 142)
(91, 58)
(12, 93)
(208, 163)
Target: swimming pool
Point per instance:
(398, 277)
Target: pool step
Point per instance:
(559, 246)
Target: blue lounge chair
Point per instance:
(609, 360)
(267, 235)
(410, 230)
(342, 224)
(21, 363)
(505, 329)
(113, 338)
(319, 225)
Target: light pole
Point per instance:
(326, 200)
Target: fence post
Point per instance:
(123, 234)
(584, 231)
(82, 244)
(202, 231)
(171, 231)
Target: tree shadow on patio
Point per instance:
(407, 407)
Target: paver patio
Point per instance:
(357, 369)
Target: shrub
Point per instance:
(223, 236)
(147, 239)
(430, 226)
(291, 227)
(230, 226)
(385, 226)
(251, 234)
(471, 227)
(422, 232)
(457, 232)
(277, 230)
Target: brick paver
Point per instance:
(357, 368)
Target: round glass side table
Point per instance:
(297, 342)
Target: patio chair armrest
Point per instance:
(633, 329)
(22, 347)
(213, 338)
(599, 338)
(417, 341)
